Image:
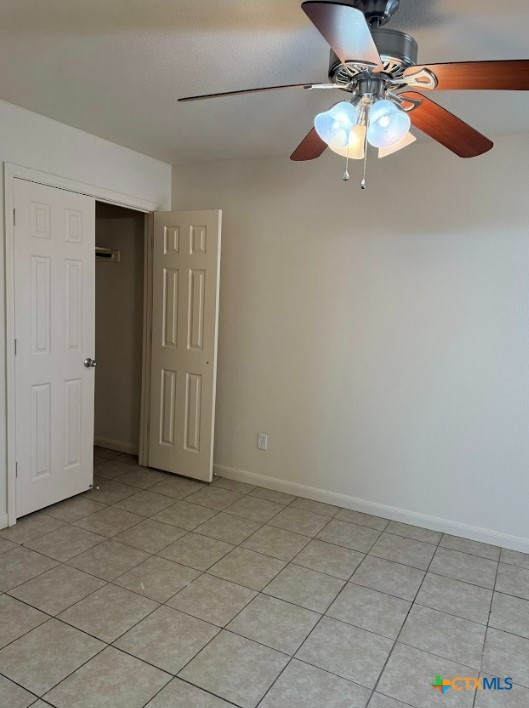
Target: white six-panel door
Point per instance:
(186, 260)
(54, 328)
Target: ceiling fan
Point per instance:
(377, 70)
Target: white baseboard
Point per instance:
(455, 528)
(116, 445)
(3, 521)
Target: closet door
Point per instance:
(54, 330)
(186, 262)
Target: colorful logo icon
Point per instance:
(441, 685)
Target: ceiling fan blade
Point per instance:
(345, 29)
(445, 127)
(511, 75)
(311, 147)
(307, 87)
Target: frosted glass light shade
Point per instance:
(408, 139)
(355, 150)
(387, 124)
(334, 126)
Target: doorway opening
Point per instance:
(119, 320)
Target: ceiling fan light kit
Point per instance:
(388, 124)
(378, 68)
(335, 125)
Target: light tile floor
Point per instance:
(154, 590)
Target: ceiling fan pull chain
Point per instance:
(363, 184)
(346, 175)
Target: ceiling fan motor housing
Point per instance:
(397, 50)
(397, 47)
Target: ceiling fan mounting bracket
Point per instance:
(376, 12)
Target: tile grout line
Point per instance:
(22, 687)
(8, 592)
(177, 678)
(306, 638)
(312, 630)
(106, 645)
(406, 705)
(223, 628)
(402, 626)
(487, 626)
(449, 577)
(450, 614)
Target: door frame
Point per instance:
(145, 400)
(101, 194)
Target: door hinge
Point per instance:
(15, 347)
(16, 469)
(14, 217)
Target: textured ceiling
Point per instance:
(116, 67)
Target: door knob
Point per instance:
(89, 363)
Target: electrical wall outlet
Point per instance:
(262, 441)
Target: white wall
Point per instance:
(119, 328)
(31, 140)
(380, 338)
